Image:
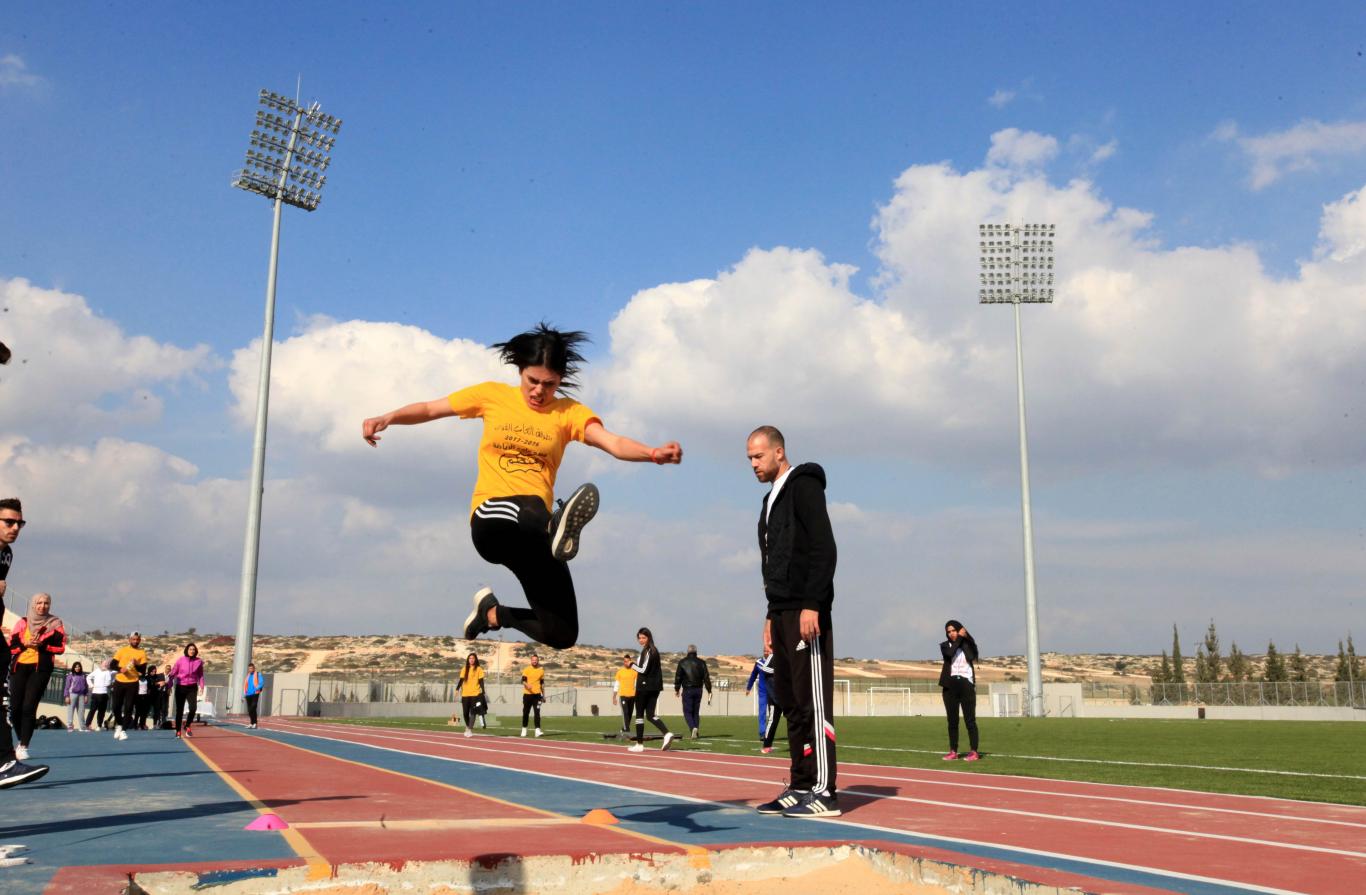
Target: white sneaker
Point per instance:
(20, 753)
(119, 734)
(638, 747)
(468, 732)
(668, 739)
(524, 732)
(539, 732)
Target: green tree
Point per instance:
(1237, 664)
(1275, 671)
(1348, 668)
(1299, 668)
(1207, 659)
(1178, 666)
(1163, 673)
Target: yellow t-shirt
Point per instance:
(470, 684)
(626, 682)
(521, 448)
(30, 654)
(532, 678)
(129, 655)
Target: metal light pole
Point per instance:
(1017, 268)
(291, 146)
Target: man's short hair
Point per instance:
(775, 438)
(12, 503)
(692, 647)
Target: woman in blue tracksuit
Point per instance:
(769, 710)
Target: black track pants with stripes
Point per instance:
(804, 685)
(512, 532)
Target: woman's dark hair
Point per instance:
(113, 665)
(465, 669)
(189, 646)
(650, 641)
(77, 668)
(546, 347)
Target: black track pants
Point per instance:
(185, 695)
(123, 696)
(646, 702)
(531, 702)
(961, 693)
(803, 684)
(513, 532)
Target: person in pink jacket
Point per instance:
(187, 677)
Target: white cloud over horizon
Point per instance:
(1302, 147)
(1151, 358)
(14, 73)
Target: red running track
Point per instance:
(1259, 843)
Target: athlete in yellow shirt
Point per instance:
(513, 522)
(625, 687)
(533, 693)
(472, 691)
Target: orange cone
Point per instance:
(599, 816)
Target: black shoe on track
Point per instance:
(15, 772)
(788, 798)
(815, 805)
(477, 622)
(569, 519)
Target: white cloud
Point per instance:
(14, 73)
(1021, 150)
(1300, 148)
(74, 371)
(1002, 98)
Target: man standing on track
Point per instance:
(533, 693)
(797, 553)
(12, 771)
(690, 678)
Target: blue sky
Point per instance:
(771, 204)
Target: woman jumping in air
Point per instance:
(514, 521)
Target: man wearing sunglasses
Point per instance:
(12, 772)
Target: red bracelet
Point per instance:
(652, 456)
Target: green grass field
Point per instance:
(1315, 760)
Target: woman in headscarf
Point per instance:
(36, 638)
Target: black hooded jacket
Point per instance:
(948, 648)
(797, 545)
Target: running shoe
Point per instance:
(972, 756)
(569, 519)
(469, 732)
(638, 747)
(539, 732)
(14, 772)
(524, 732)
(478, 621)
(788, 798)
(766, 750)
(668, 741)
(813, 805)
(694, 733)
(189, 732)
(119, 734)
(952, 756)
(21, 752)
(177, 734)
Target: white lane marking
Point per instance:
(936, 803)
(933, 837)
(959, 780)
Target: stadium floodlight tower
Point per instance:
(1017, 268)
(291, 150)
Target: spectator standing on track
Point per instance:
(75, 694)
(12, 771)
(797, 555)
(471, 690)
(649, 684)
(533, 693)
(958, 677)
(144, 703)
(131, 661)
(251, 689)
(101, 679)
(769, 710)
(35, 640)
(167, 694)
(625, 686)
(691, 676)
(156, 695)
(186, 678)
